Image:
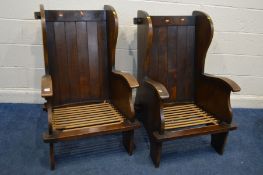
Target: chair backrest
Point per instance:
(78, 57)
(167, 53)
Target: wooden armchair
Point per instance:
(176, 98)
(85, 95)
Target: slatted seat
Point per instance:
(100, 114)
(185, 116)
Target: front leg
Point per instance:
(127, 140)
(218, 141)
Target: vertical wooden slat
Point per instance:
(181, 60)
(189, 86)
(83, 59)
(102, 48)
(62, 60)
(162, 55)
(185, 63)
(73, 65)
(93, 59)
(53, 61)
(153, 68)
(171, 54)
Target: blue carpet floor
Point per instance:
(22, 150)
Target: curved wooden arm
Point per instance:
(213, 95)
(230, 84)
(50, 116)
(46, 86)
(158, 88)
(151, 95)
(121, 85)
(131, 80)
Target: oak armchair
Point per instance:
(85, 95)
(176, 99)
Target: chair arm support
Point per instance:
(152, 94)
(121, 85)
(131, 80)
(213, 95)
(46, 86)
(158, 88)
(229, 84)
(50, 116)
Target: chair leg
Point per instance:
(218, 141)
(44, 107)
(52, 156)
(155, 151)
(127, 139)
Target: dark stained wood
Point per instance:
(93, 59)
(61, 68)
(44, 34)
(155, 153)
(170, 135)
(153, 69)
(121, 93)
(52, 63)
(72, 57)
(218, 141)
(158, 88)
(185, 64)
(204, 32)
(104, 65)
(162, 55)
(173, 20)
(213, 95)
(176, 98)
(37, 15)
(128, 78)
(83, 59)
(72, 15)
(172, 50)
(112, 26)
(51, 156)
(128, 141)
(78, 61)
(144, 40)
(85, 95)
(172, 61)
(154, 94)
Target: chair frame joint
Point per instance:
(138, 21)
(37, 15)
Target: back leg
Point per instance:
(155, 152)
(52, 156)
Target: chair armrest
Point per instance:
(46, 86)
(121, 85)
(158, 88)
(213, 95)
(128, 78)
(227, 83)
(150, 97)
